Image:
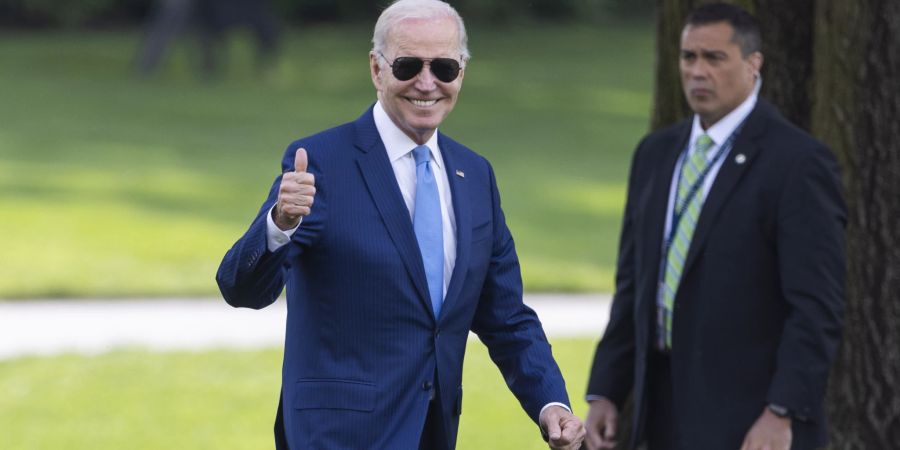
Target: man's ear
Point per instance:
(462, 72)
(755, 60)
(375, 69)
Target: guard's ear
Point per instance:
(755, 60)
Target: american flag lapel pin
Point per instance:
(460, 173)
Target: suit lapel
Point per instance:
(655, 208)
(378, 174)
(459, 193)
(727, 179)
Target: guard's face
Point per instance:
(715, 77)
(418, 105)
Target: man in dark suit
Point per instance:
(730, 280)
(390, 239)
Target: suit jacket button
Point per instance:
(426, 386)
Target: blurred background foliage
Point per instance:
(109, 13)
(120, 185)
(117, 185)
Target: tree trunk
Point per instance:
(669, 105)
(787, 30)
(857, 112)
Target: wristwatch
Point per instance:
(779, 411)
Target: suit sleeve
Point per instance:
(612, 373)
(812, 265)
(251, 276)
(511, 330)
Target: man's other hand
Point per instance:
(602, 419)
(770, 432)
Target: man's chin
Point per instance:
(427, 125)
(700, 108)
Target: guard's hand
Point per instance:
(295, 195)
(601, 424)
(565, 431)
(770, 432)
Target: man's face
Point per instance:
(715, 77)
(419, 105)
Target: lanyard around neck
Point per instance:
(678, 213)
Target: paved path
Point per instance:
(97, 326)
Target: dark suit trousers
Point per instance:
(660, 429)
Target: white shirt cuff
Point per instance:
(541, 414)
(276, 237)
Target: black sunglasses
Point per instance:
(406, 68)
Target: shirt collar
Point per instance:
(396, 142)
(721, 130)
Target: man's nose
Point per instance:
(425, 80)
(697, 69)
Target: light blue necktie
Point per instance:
(427, 225)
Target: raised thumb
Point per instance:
(300, 161)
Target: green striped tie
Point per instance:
(691, 168)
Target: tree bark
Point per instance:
(669, 105)
(857, 112)
(787, 31)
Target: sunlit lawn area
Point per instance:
(115, 186)
(219, 400)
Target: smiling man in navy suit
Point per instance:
(392, 245)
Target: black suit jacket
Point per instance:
(757, 316)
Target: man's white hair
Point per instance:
(402, 10)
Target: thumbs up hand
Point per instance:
(295, 195)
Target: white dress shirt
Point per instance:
(399, 148)
(719, 132)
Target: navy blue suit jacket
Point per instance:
(362, 345)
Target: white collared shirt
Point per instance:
(399, 148)
(719, 132)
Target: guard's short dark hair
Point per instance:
(746, 28)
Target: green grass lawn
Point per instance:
(116, 186)
(220, 399)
